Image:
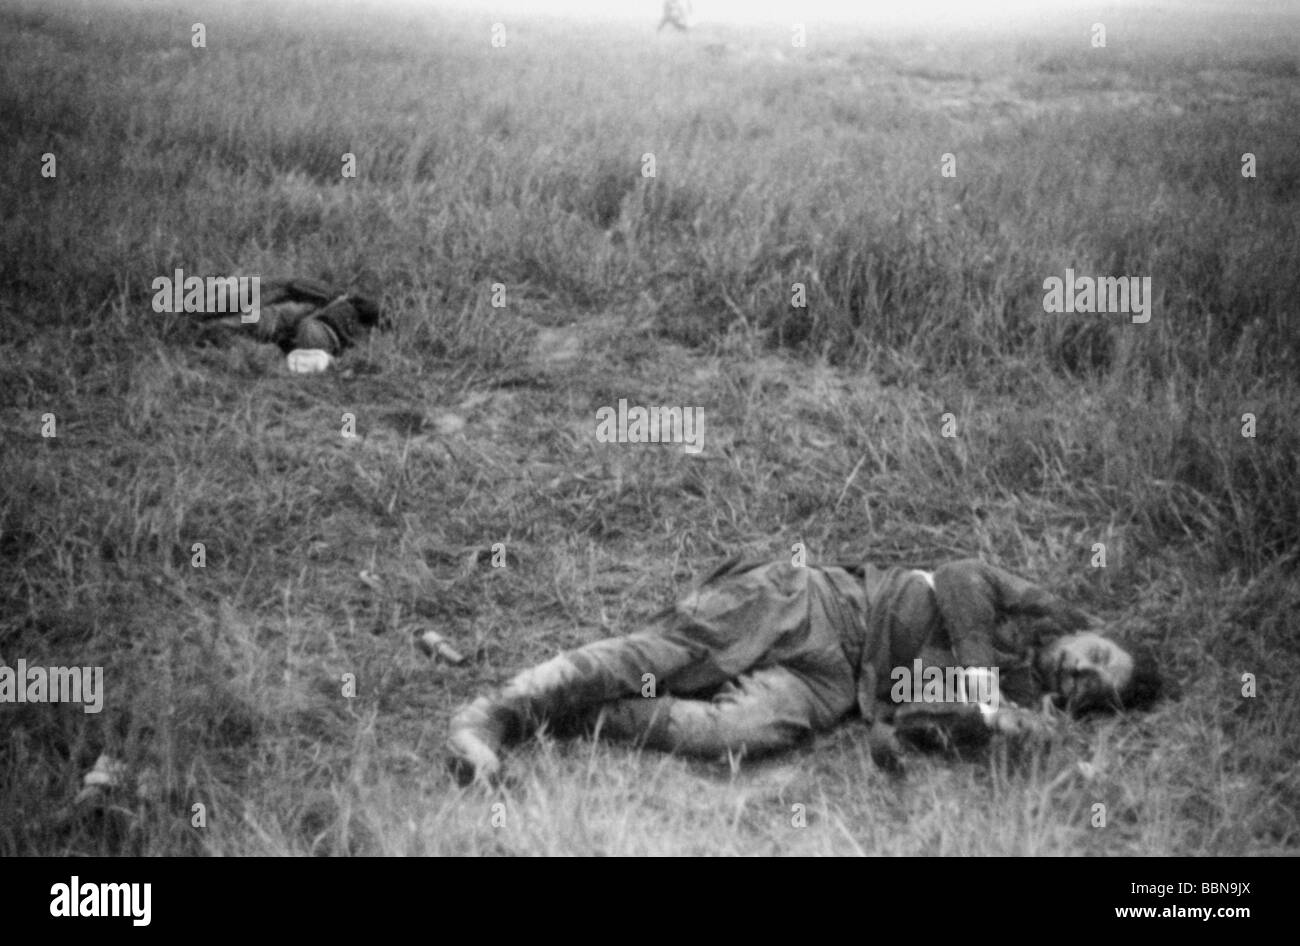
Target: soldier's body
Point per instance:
(762, 654)
(304, 314)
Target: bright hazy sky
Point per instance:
(866, 11)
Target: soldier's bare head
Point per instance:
(1089, 671)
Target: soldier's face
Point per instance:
(1085, 669)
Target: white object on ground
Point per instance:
(107, 773)
(309, 360)
(448, 423)
(431, 642)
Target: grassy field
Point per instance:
(522, 166)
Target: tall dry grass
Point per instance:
(523, 166)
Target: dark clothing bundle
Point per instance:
(304, 313)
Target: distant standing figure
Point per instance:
(676, 13)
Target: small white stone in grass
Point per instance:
(1087, 770)
(371, 581)
(107, 773)
(447, 423)
(309, 360)
(433, 643)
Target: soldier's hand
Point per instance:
(1015, 721)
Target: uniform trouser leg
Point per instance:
(761, 711)
(564, 688)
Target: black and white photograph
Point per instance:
(571, 429)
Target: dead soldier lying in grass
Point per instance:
(762, 655)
